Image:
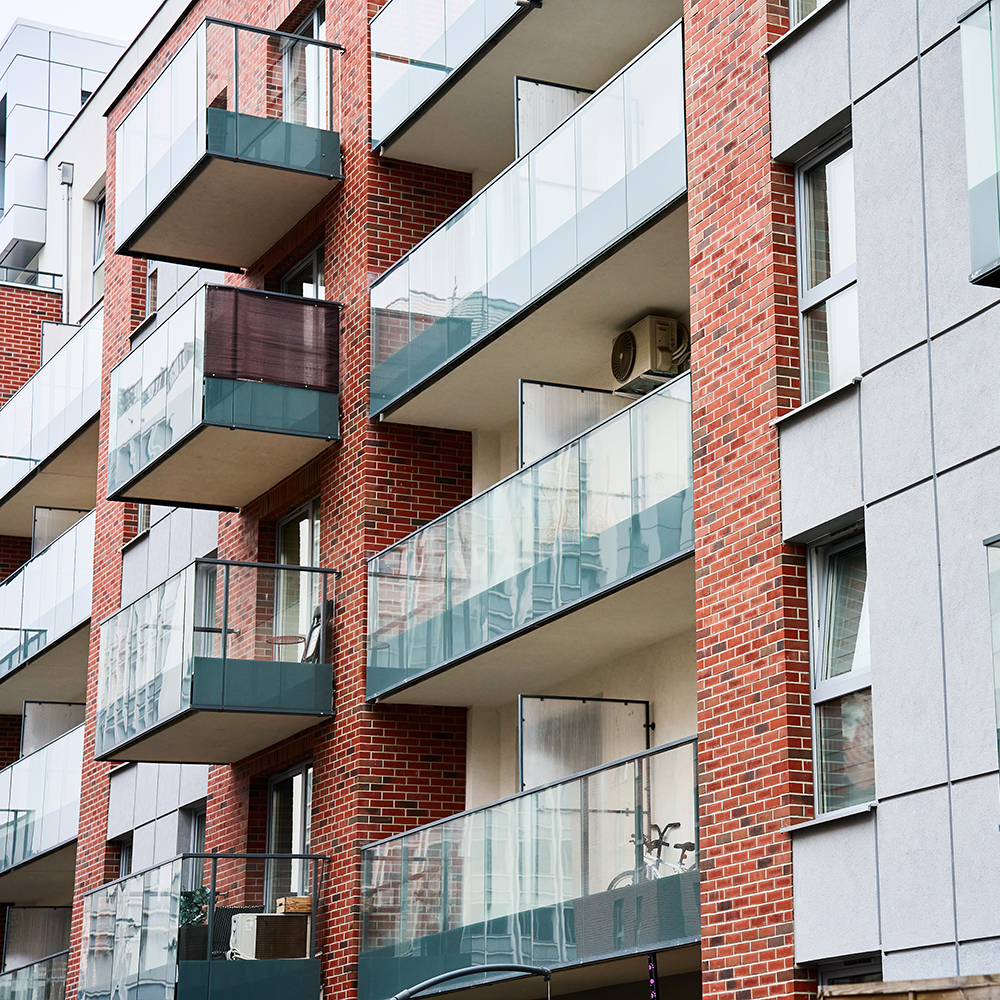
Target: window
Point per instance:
(100, 206)
(980, 76)
(306, 72)
(828, 297)
(798, 9)
(288, 831)
(194, 821)
(124, 858)
(307, 278)
(298, 545)
(843, 750)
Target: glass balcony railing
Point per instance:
(617, 161)
(56, 402)
(218, 636)
(417, 45)
(610, 505)
(48, 597)
(40, 800)
(594, 867)
(228, 357)
(233, 92)
(44, 980)
(981, 73)
(36, 279)
(182, 924)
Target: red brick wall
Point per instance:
(753, 681)
(22, 312)
(378, 770)
(10, 739)
(14, 553)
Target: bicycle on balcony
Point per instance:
(654, 864)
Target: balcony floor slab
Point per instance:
(228, 213)
(46, 880)
(57, 674)
(567, 338)
(67, 479)
(201, 737)
(582, 44)
(644, 611)
(220, 468)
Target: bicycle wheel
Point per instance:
(622, 878)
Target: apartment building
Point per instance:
(451, 439)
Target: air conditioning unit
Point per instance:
(648, 354)
(269, 935)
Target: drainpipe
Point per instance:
(66, 180)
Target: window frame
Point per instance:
(811, 299)
(316, 257)
(307, 770)
(822, 692)
(100, 247)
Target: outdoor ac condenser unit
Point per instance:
(270, 935)
(648, 354)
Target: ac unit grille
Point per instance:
(623, 356)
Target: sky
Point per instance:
(119, 19)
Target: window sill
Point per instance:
(817, 402)
(832, 817)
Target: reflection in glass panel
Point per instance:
(830, 218)
(846, 646)
(845, 754)
(832, 347)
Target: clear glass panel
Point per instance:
(44, 980)
(613, 503)
(829, 213)
(845, 755)
(832, 346)
(846, 646)
(53, 405)
(979, 54)
(616, 160)
(595, 866)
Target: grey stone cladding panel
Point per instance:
(907, 684)
(964, 362)
(979, 958)
(810, 80)
(121, 802)
(835, 885)
(889, 216)
(883, 40)
(968, 513)
(938, 18)
(951, 296)
(820, 465)
(896, 425)
(920, 963)
(915, 873)
(976, 820)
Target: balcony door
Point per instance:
(306, 74)
(289, 827)
(297, 594)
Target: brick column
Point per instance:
(752, 642)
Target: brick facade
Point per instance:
(752, 642)
(22, 312)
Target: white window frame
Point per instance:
(812, 298)
(826, 690)
(100, 234)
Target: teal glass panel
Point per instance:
(980, 51)
(551, 877)
(44, 980)
(417, 44)
(619, 159)
(215, 636)
(612, 504)
(56, 402)
(48, 597)
(40, 800)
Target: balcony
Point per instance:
(531, 278)
(218, 662)
(44, 980)
(34, 279)
(235, 141)
(178, 923)
(232, 393)
(44, 623)
(559, 876)
(40, 802)
(447, 68)
(591, 542)
(48, 433)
